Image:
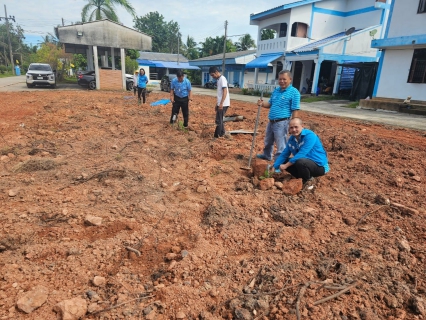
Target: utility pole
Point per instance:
(224, 48)
(178, 49)
(8, 36)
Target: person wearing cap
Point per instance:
(180, 95)
(283, 105)
(309, 158)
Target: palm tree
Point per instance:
(190, 49)
(104, 9)
(246, 43)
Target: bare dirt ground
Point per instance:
(212, 245)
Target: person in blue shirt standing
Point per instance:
(309, 157)
(180, 95)
(283, 105)
(142, 81)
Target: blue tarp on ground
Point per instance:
(264, 60)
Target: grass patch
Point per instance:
(7, 74)
(69, 80)
(352, 105)
(323, 98)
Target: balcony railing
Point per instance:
(272, 45)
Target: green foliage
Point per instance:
(181, 127)
(253, 92)
(267, 174)
(164, 34)
(79, 61)
(246, 42)
(131, 65)
(132, 53)
(267, 34)
(214, 46)
(101, 9)
(3, 69)
(189, 49)
(194, 76)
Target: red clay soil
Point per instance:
(212, 245)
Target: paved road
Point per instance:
(333, 107)
(336, 108)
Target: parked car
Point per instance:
(166, 80)
(40, 74)
(88, 79)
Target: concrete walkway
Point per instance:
(337, 108)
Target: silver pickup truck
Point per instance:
(40, 74)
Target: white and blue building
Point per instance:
(315, 38)
(402, 67)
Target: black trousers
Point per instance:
(180, 103)
(220, 128)
(142, 91)
(305, 169)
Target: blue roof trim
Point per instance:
(399, 41)
(344, 14)
(166, 64)
(264, 60)
(255, 16)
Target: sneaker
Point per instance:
(277, 170)
(262, 156)
(309, 184)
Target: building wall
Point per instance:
(405, 21)
(393, 77)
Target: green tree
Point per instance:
(246, 43)
(104, 9)
(214, 46)
(267, 34)
(164, 34)
(189, 49)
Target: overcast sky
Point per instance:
(198, 19)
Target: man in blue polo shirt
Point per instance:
(283, 105)
(309, 157)
(180, 95)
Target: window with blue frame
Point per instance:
(418, 67)
(422, 6)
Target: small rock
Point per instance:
(172, 265)
(176, 249)
(171, 256)
(349, 221)
(33, 299)
(418, 305)
(266, 184)
(279, 185)
(416, 178)
(180, 315)
(13, 192)
(151, 315)
(99, 281)
(292, 187)
(403, 245)
(72, 309)
(184, 253)
(92, 220)
(202, 189)
(242, 314)
(382, 200)
(93, 307)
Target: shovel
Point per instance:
(254, 134)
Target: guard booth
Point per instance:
(104, 40)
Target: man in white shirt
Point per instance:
(223, 101)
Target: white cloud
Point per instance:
(198, 19)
